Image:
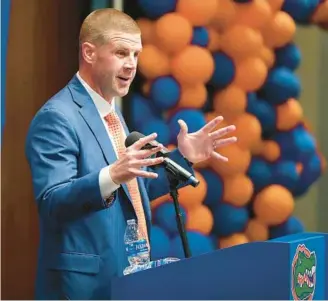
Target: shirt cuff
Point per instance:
(106, 184)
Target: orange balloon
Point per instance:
(193, 96)
(240, 41)
(255, 14)
(153, 62)
(232, 240)
(248, 130)
(160, 200)
(256, 231)
(193, 65)
(190, 196)
(275, 5)
(270, 150)
(145, 88)
(238, 190)
(279, 31)
(230, 102)
(224, 16)
(289, 115)
(250, 74)
(173, 32)
(273, 205)
(257, 148)
(201, 164)
(147, 30)
(321, 13)
(213, 39)
(200, 219)
(239, 160)
(199, 13)
(268, 56)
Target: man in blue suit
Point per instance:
(81, 172)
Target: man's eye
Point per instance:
(121, 53)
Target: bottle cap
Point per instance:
(131, 221)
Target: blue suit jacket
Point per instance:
(81, 237)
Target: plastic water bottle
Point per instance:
(136, 248)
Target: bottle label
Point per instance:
(137, 247)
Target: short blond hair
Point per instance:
(98, 24)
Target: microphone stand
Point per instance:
(174, 182)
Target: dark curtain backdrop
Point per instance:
(41, 59)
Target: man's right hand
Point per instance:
(129, 165)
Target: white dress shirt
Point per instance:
(106, 184)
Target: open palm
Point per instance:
(201, 145)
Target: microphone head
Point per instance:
(135, 136)
(132, 138)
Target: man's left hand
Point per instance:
(201, 145)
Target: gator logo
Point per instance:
(304, 273)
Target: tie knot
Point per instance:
(112, 117)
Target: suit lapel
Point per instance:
(91, 116)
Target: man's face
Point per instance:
(115, 63)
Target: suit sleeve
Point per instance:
(52, 150)
(160, 186)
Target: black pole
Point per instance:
(174, 193)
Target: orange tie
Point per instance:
(118, 134)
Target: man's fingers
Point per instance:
(212, 124)
(219, 157)
(150, 162)
(143, 141)
(224, 142)
(143, 173)
(140, 154)
(221, 132)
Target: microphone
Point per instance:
(175, 169)
(135, 136)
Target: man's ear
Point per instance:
(88, 52)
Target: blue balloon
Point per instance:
(285, 174)
(155, 9)
(281, 84)
(310, 173)
(292, 226)
(224, 70)
(265, 113)
(160, 243)
(138, 104)
(288, 149)
(229, 219)
(158, 126)
(300, 10)
(165, 217)
(304, 142)
(198, 243)
(165, 92)
(200, 36)
(195, 120)
(260, 172)
(214, 183)
(288, 56)
(296, 144)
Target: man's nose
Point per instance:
(131, 63)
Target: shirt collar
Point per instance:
(102, 105)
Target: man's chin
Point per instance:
(123, 92)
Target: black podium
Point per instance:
(293, 267)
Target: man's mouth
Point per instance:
(124, 78)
